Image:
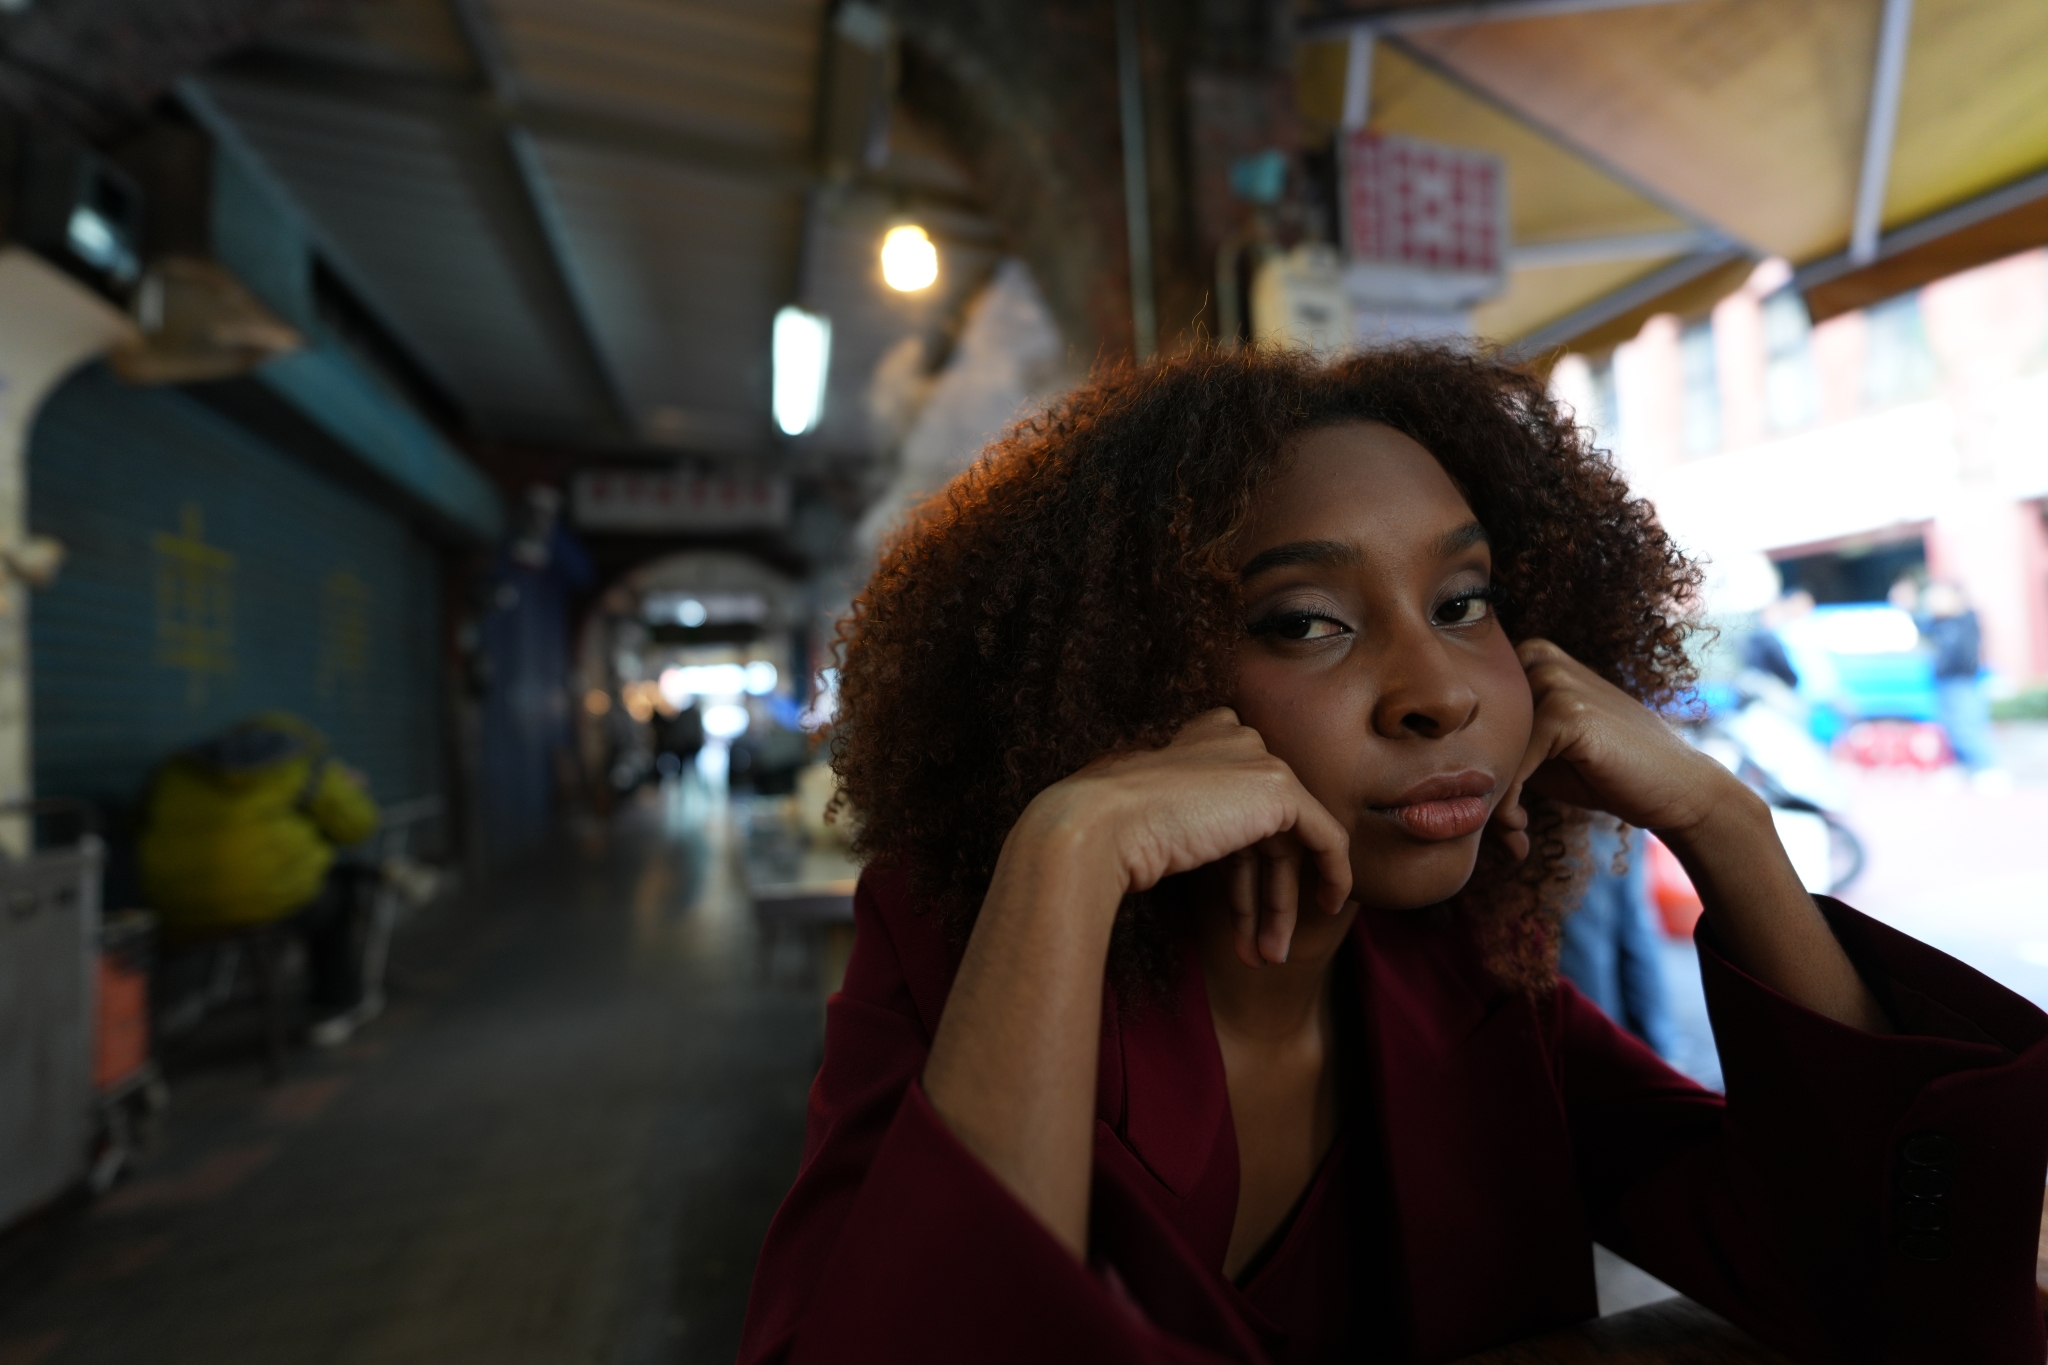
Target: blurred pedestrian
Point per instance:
(1763, 648)
(678, 739)
(243, 830)
(1951, 631)
(1610, 946)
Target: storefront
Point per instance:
(211, 575)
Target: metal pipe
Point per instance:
(1358, 79)
(1878, 135)
(1637, 246)
(543, 219)
(1421, 18)
(1137, 183)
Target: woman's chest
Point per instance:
(1283, 1110)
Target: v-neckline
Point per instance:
(1276, 1241)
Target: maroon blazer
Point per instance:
(1855, 1198)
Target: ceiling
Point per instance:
(582, 215)
(1741, 122)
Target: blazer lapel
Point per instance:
(1491, 1235)
(1175, 1112)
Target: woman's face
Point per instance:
(1373, 663)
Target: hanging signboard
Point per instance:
(1425, 225)
(678, 500)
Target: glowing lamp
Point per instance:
(909, 260)
(803, 354)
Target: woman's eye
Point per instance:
(1299, 625)
(1463, 611)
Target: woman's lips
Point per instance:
(1448, 806)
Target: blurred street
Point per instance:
(1953, 863)
(562, 1143)
(1959, 865)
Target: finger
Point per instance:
(1328, 844)
(1511, 814)
(1241, 879)
(1546, 738)
(1282, 899)
(1510, 818)
(1536, 651)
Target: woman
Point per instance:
(1222, 747)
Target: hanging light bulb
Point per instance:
(909, 260)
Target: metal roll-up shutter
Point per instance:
(210, 576)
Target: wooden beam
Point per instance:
(2004, 222)
(1639, 296)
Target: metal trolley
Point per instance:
(49, 970)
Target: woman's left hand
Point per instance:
(1595, 746)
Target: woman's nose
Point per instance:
(1423, 693)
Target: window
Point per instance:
(1702, 414)
(1791, 387)
(1898, 365)
(1604, 412)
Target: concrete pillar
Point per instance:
(49, 325)
(1649, 394)
(1986, 326)
(1739, 368)
(1841, 351)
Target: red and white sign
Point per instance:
(676, 500)
(1424, 206)
(1425, 227)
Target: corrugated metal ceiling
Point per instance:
(406, 201)
(684, 272)
(665, 148)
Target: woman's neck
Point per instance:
(1279, 1000)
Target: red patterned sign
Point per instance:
(1423, 206)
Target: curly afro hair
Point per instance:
(1073, 593)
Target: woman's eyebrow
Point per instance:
(1320, 552)
(1462, 538)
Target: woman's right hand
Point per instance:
(1213, 795)
(1012, 1065)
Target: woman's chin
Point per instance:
(1411, 876)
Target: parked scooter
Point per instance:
(1756, 729)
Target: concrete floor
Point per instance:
(562, 1143)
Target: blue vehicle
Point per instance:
(1860, 662)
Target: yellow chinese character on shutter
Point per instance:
(344, 635)
(195, 604)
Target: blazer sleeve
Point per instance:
(1858, 1197)
(896, 1243)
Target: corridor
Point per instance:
(562, 1143)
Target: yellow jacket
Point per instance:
(242, 830)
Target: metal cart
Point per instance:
(49, 956)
